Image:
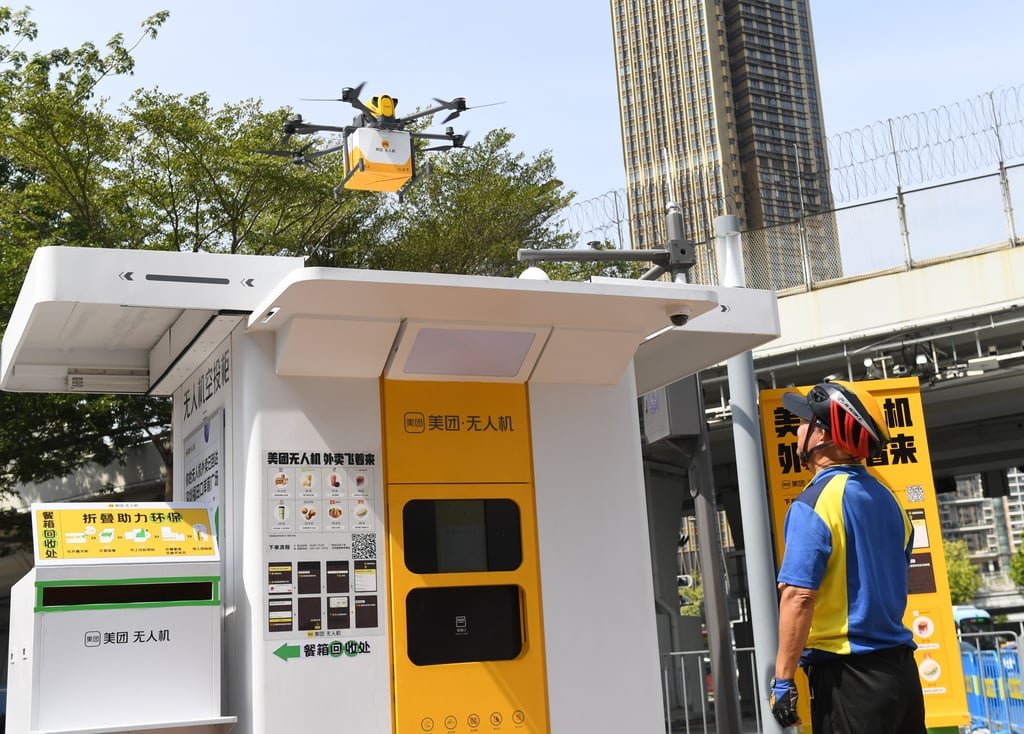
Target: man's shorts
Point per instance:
(874, 693)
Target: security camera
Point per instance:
(679, 314)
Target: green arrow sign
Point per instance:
(287, 651)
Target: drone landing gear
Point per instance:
(358, 168)
(427, 168)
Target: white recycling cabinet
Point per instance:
(118, 626)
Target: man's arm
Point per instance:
(796, 608)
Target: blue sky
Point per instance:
(551, 62)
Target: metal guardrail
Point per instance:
(993, 679)
(910, 229)
(689, 696)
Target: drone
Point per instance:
(377, 147)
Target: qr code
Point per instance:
(364, 546)
(915, 493)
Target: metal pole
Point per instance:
(716, 611)
(757, 539)
(618, 218)
(805, 252)
(705, 515)
(901, 207)
(1004, 181)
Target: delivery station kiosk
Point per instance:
(427, 489)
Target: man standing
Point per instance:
(844, 577)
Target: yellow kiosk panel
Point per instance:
(466, 615)
(464, 575)
(456, 432)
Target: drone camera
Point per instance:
(679, 314)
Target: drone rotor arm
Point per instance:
(417, 115)
(432, 136)
(325, 151)
(455, 140)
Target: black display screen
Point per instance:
(462, 536)
(310, 615)
(463, 624)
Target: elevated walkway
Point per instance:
(956, 323)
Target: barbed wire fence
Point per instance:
(971, 139)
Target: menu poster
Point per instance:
(322, 531)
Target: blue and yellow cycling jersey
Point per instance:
(847, 536)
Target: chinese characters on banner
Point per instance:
(905, 467)
(105, 532)
(204, 461)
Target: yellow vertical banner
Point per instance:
(905, 467)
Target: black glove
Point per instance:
(783, 702)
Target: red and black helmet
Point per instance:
(848, 412)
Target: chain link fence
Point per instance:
(948, 214)
(909, 230)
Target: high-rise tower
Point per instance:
(722, 95)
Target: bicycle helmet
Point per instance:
(848, 412)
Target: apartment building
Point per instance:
(721, 111)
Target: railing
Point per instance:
(690, 697)
(915, 190)
(993, 680)
(912, 229)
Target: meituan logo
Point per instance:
(415, 423)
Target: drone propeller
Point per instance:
(458, 141)
(295, 125)
(458, 106)
(348, 94)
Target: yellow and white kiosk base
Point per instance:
(429, 488)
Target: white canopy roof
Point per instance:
(95, 320)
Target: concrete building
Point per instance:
(723, 96)
(987, 513)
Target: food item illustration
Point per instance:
(281, 480)
(282, 513)
(923, 627)
(334, 512)
(361, 511)
(307, 479)
(360, 480)
(335, 482)
(308, 512)
(929, 669)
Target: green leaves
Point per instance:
(691, 598)
(964, 579)
(1017, 565)
(172, 172)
